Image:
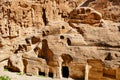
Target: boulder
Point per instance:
(15, 63)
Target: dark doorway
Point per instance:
(118, 28)
(61, 37)
(108, 57)
(44, 16)
(65, 71)
(63, 27)
(68, 41)
(50, 74)
(41, 73)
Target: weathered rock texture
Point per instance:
(96, 68)
(61, 37)
(85, 15)
(35, 65)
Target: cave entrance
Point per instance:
(61, 37)
(41, 73)
(109, 57)
(68, 41)
(118, 28)
(44, 16)
(50, 74)
(65, 71)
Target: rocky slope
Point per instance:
(82, 29)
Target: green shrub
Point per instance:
(20, 73)
(5, 69)
(4, 78)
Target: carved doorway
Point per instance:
(68, 41)
(65, 71)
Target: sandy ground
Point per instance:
(18, 76)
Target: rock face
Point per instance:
(66, 38)
(96, 68)
(35, 65)
(85, 15)
(15, 63)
